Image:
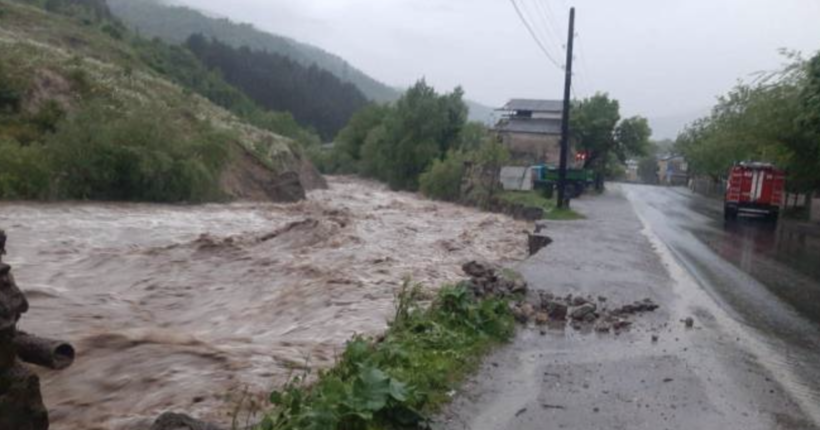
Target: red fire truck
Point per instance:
(754, 189)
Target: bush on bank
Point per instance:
(394, 381)
(98, 153)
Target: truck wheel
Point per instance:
(773, 217)
(729, 214)
(573, 190)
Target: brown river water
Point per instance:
(200, 308)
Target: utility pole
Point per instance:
(563, 202)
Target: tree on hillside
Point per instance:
(314, 96)
(599, 130)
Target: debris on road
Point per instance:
(488, 281)
(580, 311)
(537, 242)
(577, 311)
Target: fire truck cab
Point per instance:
(754, 189)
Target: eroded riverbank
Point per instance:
(186, 308)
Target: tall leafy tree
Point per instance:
(598, 129)
(774, 119)
(352, 138)
(420, 128)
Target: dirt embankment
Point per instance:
(187, 308)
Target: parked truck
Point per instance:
(754, 189)
(545, 177)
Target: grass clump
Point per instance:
(538, 200)
(395, 381)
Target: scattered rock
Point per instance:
(556, 310)
(172, 421)
(519, 286)
(582, 313)
(621, 324)
(485, 280)
(528, 310)
(474, 269)
(537, 242)
(603, 327)
(655, 338)
(645, 305)
(689, 322)
(542, 318)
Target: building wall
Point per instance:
(673, 171)
(528, 149)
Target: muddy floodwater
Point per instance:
(188, 308)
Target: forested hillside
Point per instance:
(314, 96)
(90, 111)
(176, 24)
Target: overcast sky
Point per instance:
(660, 58)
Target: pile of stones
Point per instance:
(580, 312)
(488, 281)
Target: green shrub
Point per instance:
(442, 181)
(11, 92)
(24, 171)
(99, 154)
(115, 31)
(392, 383)
(47, 117)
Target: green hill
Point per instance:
(176, 23)
(86, 113)
(153, 18)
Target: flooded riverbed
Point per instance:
(187, 308)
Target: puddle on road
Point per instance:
(186, 307)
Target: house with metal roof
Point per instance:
(531, 130)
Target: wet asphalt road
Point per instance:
(751, 362)
(766, 277)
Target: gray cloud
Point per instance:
(660, 58)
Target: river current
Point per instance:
(204, 309)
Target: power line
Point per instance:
(551, 16)
(582, 58)
(533, 34)
(552, 30)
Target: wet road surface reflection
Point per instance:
(764, 276)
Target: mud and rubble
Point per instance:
(188, 308)
(544, 308)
